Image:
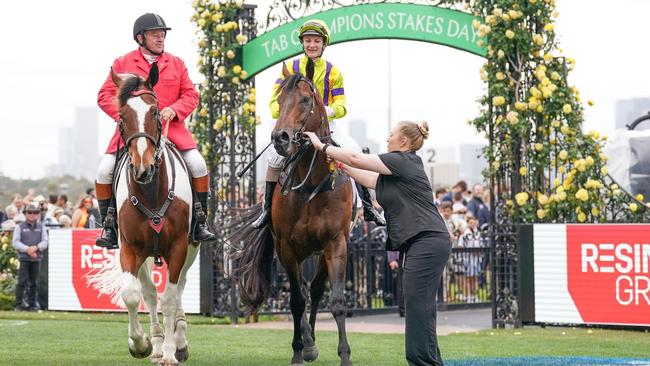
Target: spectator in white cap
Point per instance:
(30, 240)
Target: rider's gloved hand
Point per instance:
(330, 111)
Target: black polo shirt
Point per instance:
(407, 199)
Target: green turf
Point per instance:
(55, 338)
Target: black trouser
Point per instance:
(399, 291)
(27, 276)
(423, 262)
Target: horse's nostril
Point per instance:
(284, 137)
(281, 138)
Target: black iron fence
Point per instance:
(372, 286)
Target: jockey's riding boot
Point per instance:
(369, 212)
(200, 231)
(265, 217)
(108, 238)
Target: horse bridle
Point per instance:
(156, 141)
(304, 143)
(297, 137)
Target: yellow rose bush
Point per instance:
(9, 265)
(550, 170)
(227, 97)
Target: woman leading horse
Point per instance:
(415, 227)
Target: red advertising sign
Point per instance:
(87, 258)
(608, 272)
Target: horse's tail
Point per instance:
(251, 252)
(108, 280)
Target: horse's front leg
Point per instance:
(297, 305)
(150, 295)
(310, 352)
(175, 261)
(139, 344)
(337, 258)
(180, 325)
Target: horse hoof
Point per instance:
(143, 354)
(346, 363)
(168, 363)
(156, 358)
(182, 354)
(310, 353)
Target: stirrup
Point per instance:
(205, 234)
(104, 242)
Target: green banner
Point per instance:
(372, 21)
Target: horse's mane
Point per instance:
(131, 84)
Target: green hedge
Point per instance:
(7, 301)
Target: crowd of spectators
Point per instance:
(466, 212)
(26, 221)
(56, 211)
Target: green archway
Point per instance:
(369, 21)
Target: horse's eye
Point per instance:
(305, 99)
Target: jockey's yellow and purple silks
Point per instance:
(327, 78)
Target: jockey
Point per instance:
(314, 37)
(177, 98)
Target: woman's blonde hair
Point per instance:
(415, 132)
(83, 198)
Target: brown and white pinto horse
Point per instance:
(153, 196)
(310, 216)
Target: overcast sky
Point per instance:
(56, 54)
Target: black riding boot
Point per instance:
(199, 219)
(369, 212)
(108, 239)
(265, 217)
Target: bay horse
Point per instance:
(153, 196)
(308, 218)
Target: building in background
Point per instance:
(440, 164)
(627, 110)
(472, 163)
(359, 133)
(78, 155)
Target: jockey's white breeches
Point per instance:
(338, 135)
(193, 159)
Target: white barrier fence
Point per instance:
(72, 256)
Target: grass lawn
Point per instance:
(56, 338)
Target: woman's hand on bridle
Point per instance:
(314, 139)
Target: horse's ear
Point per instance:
(116, 78)
(285, 71)
(152, 79)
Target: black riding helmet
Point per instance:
(145, 22)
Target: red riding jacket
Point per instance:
(174, 89)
